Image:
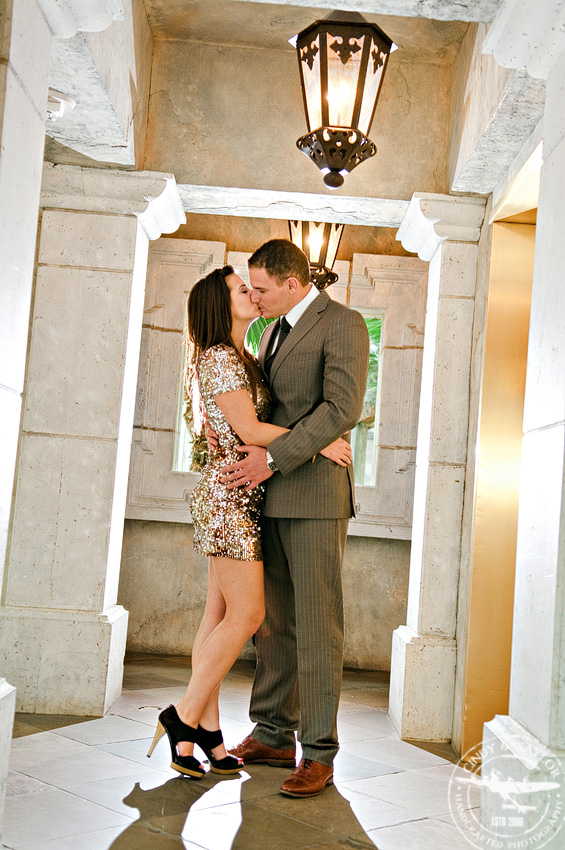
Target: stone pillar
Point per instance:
(528, 745)
(26, 27)
(445, 232)
(62, 633)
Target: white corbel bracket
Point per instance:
(527, 35)
(431, 219)
(149, 195)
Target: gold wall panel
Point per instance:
(487, 677)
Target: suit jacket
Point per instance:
(318, 380)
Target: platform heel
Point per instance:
(207, 741)
(177, 731)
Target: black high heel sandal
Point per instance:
(176, 730)
(207, 741)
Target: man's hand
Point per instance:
(211, 436)
(249, 471)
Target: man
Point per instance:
(316, 363)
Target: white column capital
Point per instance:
(528, 35)
(66, 17)
(151, 196)
(431, 219)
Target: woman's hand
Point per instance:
(211, 436)
(339, 451)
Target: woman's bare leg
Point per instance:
(241, 586)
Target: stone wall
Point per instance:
(206, 101)
(163, 585)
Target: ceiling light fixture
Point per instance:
(342, 65)
(320, 242)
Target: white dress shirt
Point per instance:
(297, 311)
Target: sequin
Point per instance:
(226, 522)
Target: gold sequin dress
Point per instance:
(226, 522)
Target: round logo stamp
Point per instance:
(522, 799)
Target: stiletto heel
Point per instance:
(159, 732)
(207, 741)
(177, 731)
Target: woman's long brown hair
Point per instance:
(210, 321)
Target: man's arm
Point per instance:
(346, 354)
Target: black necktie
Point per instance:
(284, 328)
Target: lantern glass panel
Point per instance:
(311, 79)
(333, 244)
(344, 65)
(375, 72)
(315, 242)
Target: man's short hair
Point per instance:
(281, 259)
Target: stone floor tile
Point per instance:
(105, 730)
(421, 835)
(165, 696)
(19, 783)
(248, 826)
(111, 793)
(376, 721)
(67, 768)
(253, 783)
(471, 823)
(54, 814)
(394, 752)
(31, 724)
(350, 731)
(41, 747)
(329, 811)
(101, 839)
(372, 813)
(138, 706)
(235, 709)
(348, 767)
(421, 795)
(136, 751)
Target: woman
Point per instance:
(226, 522)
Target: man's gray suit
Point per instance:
(318, 380)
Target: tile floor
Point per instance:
(88, 785)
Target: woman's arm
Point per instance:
(238, 409)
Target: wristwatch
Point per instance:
(271, 463)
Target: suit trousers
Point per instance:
(300, 644)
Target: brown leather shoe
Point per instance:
(254, 752)
(308, 780)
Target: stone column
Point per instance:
(445, 232)
(528, 745)
(62, 633)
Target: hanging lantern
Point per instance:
(342, 66)
(320, 243)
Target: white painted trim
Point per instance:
(151, 196)
(526, 36)
(431, 219)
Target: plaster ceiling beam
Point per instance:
(66, 17)
(439, 10)
(93, 127)
(262, 203)
(515, 119)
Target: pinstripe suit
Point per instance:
(318, 380)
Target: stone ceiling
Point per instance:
(270, 25)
